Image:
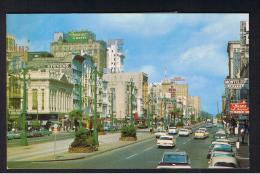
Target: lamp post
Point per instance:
(24, 141)
(95, 73)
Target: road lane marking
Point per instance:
(187, 141)
(131, 156)
(149, 148)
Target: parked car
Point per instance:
(173, 160)
(223, 148)
(223, 162)
(184, 132)
(13, 135)
(160, 133)
(166, 141)
(220, 135)
(172, 130)
(212, 146)
(200, 134)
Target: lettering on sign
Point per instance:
(239, 108)
(237, 83)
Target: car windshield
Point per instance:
(224, 164)
(175, 158)
(222, 155)
(165, 138)
(222, 147)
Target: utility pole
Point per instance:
(24, 141)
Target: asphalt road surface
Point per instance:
(142, 155)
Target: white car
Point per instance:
(189, 128)
(200, 134)
(172, 130)
(205, 130)
(160, 133)
(223, 162)
(166, 141)
(174, 160)
(184, 132)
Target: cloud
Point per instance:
(201, 59)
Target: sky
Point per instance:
(192, 46)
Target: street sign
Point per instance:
(237, 83)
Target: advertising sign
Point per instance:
(237, 83)
(80, 36)
(239, 108)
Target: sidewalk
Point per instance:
(243, 154)
(45, 151)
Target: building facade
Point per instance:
(120, 82)
(50, 95)
(65, 44)
(115, 56)
(15, 50)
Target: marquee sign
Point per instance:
(237, 83)
(239, 108)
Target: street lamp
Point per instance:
(95, 73)
(24, 141)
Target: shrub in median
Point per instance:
(128, 131)
(82, 139)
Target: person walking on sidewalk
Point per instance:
(242, 133)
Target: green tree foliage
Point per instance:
(83, 138)
(76, 115)
(128, 131)
(36, 124)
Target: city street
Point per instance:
(143, 155)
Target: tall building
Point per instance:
(234, 57)
(244, 43)
(120, 82)
(195, 106)
(115, 56)
(15, 50)
(77, 42)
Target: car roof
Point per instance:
(172, 127)
(219, 142)
(183, 129)
(166, 136)
(175, 153)
(226, 159)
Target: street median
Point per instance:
(102, 149)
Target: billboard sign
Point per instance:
(237, 83)
(239, 108)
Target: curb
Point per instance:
(95, 153)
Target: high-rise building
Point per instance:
(234, 57)
(244, 43)
(195, 106)
(76, 42)
(115, 56)
(120, 82)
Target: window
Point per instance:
(34, 99)
(42, 99)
